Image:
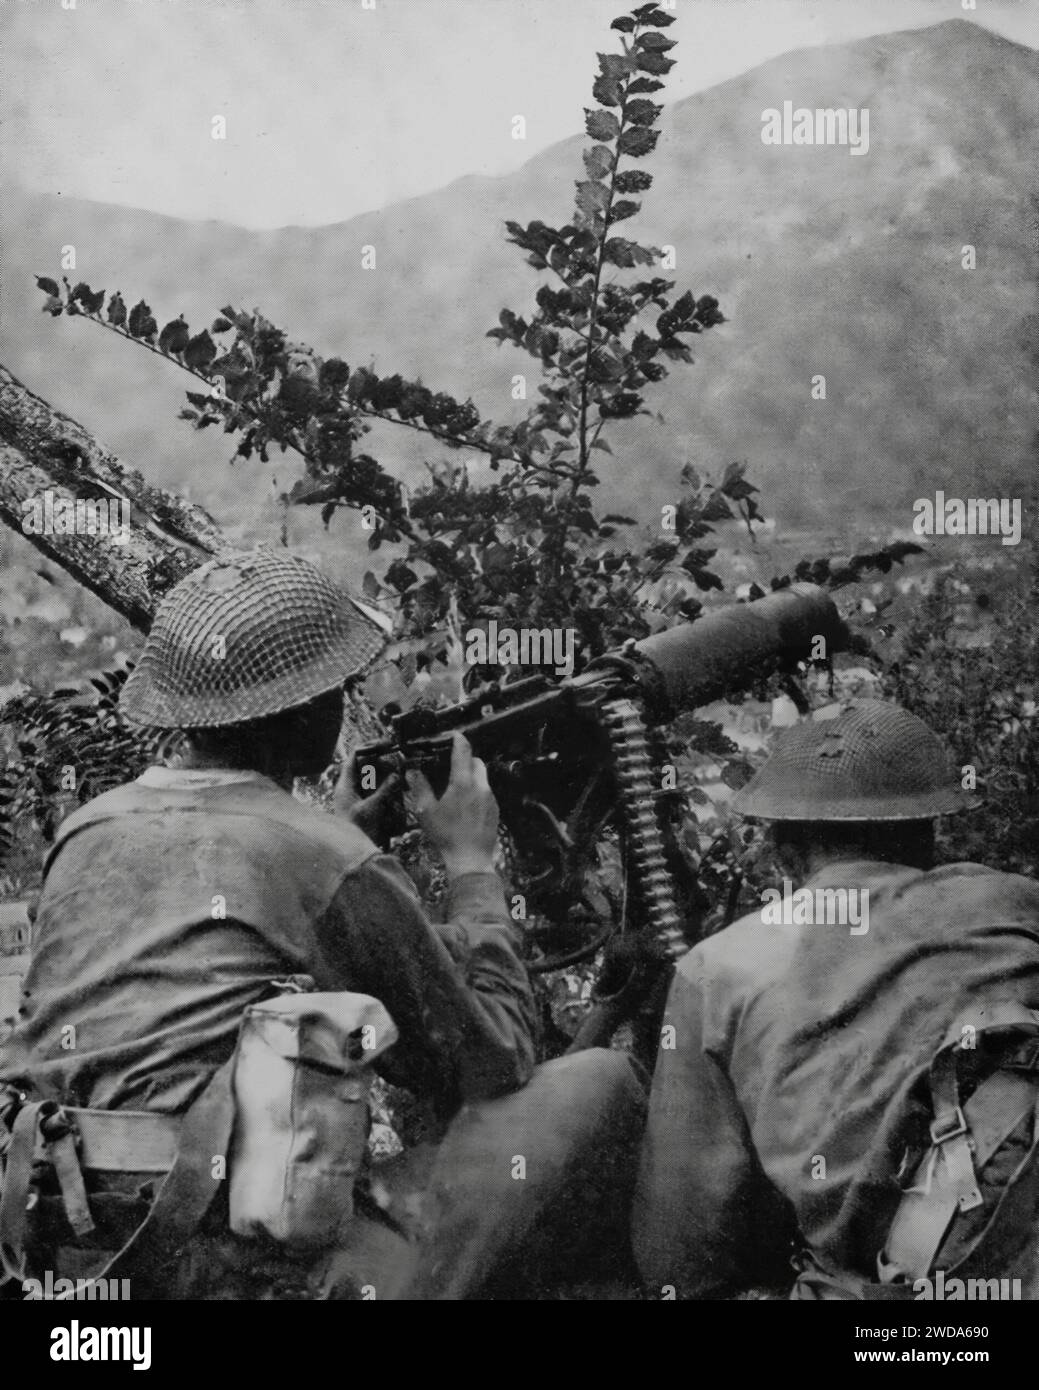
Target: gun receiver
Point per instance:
(680, 669)
(569, 758)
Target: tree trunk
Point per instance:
(43, 450)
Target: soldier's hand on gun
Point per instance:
(381, 815)
(463, 823)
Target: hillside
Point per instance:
(823, 262)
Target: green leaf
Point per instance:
(641, 111)
(606, 89)
(117, 310)
(592, 198)
(683, 307)
(618, 251)
(697, 557)
(657, 19)
(658, 42)
(622, 210)
(48, 286)
(401, 576)
(717, 509)
(174, 336)
(643, 346)
(601, 125)
(706, 579)
(655, 63)
(334, 374)
(624, 24)
(548, 344)
(617, 64)
(598, 161)
(517, 234)
(644, 84)
(221, 325)
(238, 318)
(638, 141)
(514, 326)
(633, 181)
(199, 352)
(662, 550)
(676, 350)
(733, 471)
(142, 324)
(740, 490)
(620, 406)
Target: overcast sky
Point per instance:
(333, 109)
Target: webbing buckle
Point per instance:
(60, 1135)
(955, 1128)
(1026, 1057)
(55, 1123)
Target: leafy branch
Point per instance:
(66, 749)
(274, 392)
(595, 357)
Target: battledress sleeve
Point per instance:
(458, 991)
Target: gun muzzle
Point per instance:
(695, 663)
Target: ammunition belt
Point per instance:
(637, 779)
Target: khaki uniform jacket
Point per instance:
(169, 905)
(778, 1116)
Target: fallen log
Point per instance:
(43, 451)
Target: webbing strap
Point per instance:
(963, 1140)
(929, 1206)
(70, 1179)
(14, 1201)
(180, 1204)
(121, 1141)
(189, 1187)
(816, 1282)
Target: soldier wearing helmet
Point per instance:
(794, 1040)
(170, 905)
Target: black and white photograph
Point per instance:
(519, 652)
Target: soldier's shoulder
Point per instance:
(970, 883)
(115, 801)
(284, 823)
(749, 950)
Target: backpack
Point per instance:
(970, 1200)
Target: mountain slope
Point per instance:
(824, 262)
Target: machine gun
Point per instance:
(569, 759)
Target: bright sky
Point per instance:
(335, 107)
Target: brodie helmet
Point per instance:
(247, 635)
(872, 762)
